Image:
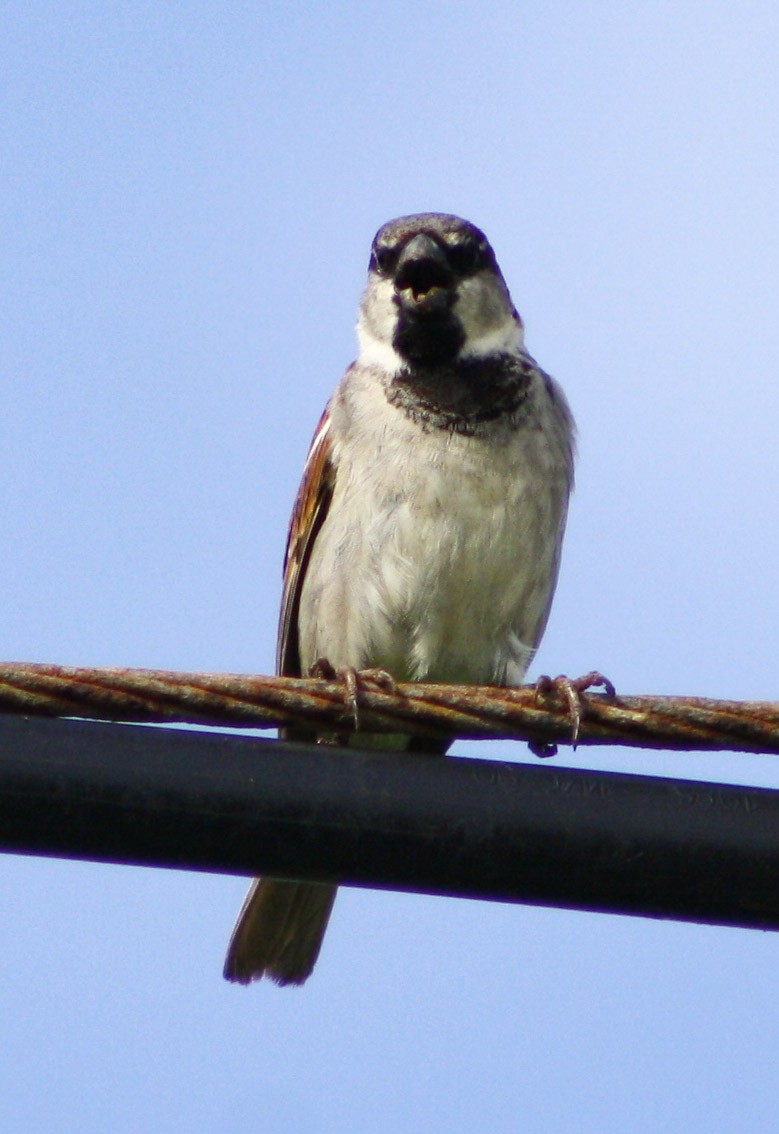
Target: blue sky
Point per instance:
(188, 198)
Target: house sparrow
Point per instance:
(425, 538)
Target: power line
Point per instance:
(485, 712)
(533, 833)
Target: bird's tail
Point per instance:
(279, 931)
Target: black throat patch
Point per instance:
(461, 396)
(428, 340)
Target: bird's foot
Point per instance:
(355, 680)
(570, 689)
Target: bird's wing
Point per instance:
(308, 515)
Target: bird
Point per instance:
(426, 535)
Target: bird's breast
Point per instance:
(438, 557)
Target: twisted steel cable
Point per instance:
(467, 712)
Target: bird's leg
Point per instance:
(570, 689)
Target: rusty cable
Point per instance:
(467, 712)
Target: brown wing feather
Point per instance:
(311, 506)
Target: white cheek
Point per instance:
(507, 339)
(376, 327)
(484, 309)
(377, 353)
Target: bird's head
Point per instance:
(435, 294)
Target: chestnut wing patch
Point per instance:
(311, 507)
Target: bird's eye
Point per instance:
(384, 258)
(465, 255)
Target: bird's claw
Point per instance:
(355, 680)
(570, 689)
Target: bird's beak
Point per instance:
(424, 282)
